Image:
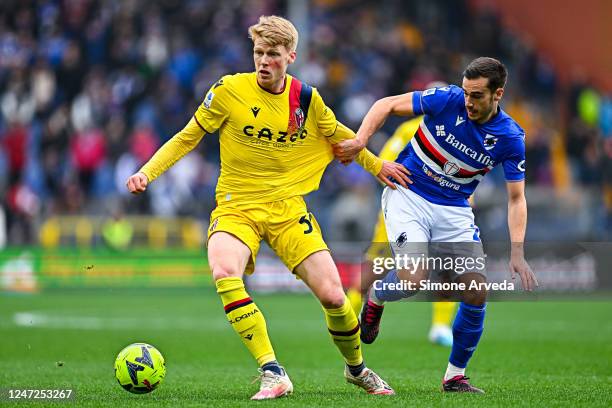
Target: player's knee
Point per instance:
(475, 297)
(476, 293)
(332, 298)
(220, 271)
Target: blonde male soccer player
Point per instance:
(275, 136)
(442, 312)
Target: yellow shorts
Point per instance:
(379, 247)
(291, 231)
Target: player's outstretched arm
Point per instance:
(172, 151)
(517, 224)
(384, 170)
(400, 105)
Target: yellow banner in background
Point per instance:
(30, 269)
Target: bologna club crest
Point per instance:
(299, 117)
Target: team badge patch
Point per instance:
(450, 168)
(299, 118)
(208, 99)
(490, 141)
(299, 101)
(401, 240)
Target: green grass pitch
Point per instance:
(531, 354)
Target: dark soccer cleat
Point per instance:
(460, 383)
(371, 313)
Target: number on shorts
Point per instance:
(306, 219)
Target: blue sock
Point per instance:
(467, 329)
(389, 295)
(274, 367)
(356, 370)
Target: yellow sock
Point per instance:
(442, 313)
(354, 296)
(344, 329)
(246, 319)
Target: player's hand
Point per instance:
(518, 265)
(346, 150)
(137, 183)
(395, 170)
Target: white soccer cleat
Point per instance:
(273, 385)
(369, 381)
(441, 334)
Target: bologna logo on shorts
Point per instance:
(401, 240)
(450, 168)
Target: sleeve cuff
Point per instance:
(145, 170)
(370, 162)
(417, 106)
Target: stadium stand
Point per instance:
(90, 89)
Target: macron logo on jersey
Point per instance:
(459, 120)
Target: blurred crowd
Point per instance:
(90, 89)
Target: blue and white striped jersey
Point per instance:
(450, 154)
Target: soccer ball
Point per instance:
(140, 368)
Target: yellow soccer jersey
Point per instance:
(268, 151)
(400, 138)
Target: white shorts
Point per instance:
(418, 227)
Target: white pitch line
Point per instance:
(37, 319)
(49, 321)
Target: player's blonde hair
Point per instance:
(275, 30)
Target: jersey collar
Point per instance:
(287, 85)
